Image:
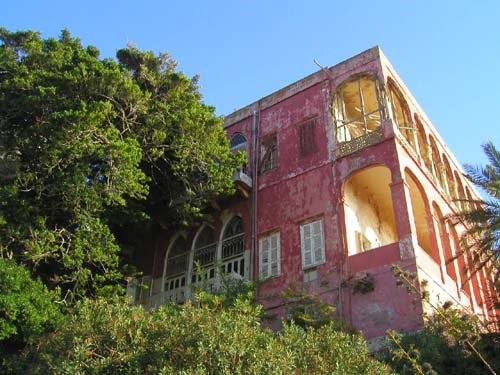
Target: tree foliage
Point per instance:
(481, 241)
(440, 348)
(206, 338)
(27, 309)
(92, 150)
(453, 340)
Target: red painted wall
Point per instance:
(304, 187)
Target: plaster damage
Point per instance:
(346, 171)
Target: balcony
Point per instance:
(441, 286)
(377, 257)
(179, 288)
(242, 181)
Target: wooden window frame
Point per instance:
(307, 136)
(268, 152)
(311, 242)
(266, 267)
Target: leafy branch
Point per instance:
(462, 333)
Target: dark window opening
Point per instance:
(307, 137)
(238, 142)
(269, 153)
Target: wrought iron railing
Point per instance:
(205, 255)
(359, 143)
(233, 246)
(177, 264)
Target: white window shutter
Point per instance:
(264, 258)
(305, 234)
(319, 247)
(275, 267)
(269, 256)
(312, 243)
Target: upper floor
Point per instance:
(345, 175)
(337, 112)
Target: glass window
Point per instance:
(233, 243)
(238, 142)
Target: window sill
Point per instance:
(269, 278)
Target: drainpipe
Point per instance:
(255, 133)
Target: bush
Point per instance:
(111, 337)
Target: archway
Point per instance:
(369, 213)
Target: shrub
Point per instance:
(111, 337)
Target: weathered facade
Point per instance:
(346, 177)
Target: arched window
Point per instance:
(176, 268)
(460, 193)
(233, 247)
(443, 238)
(419, 205)
(423, 144)
(233, 242)
(401, 115)
(177, 258)
(469, 203)
(205, 251)
(205, 248)
(238, 142)
(369, 213)
(450, 183)
(436, 163)
(357, 107)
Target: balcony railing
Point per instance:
(205, 255)
(359, 143)
(233, 246)
(177, 264)
(241, 177)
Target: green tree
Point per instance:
(27, 310)
(481, 241)
(95, 152)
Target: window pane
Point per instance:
(352, 102)
(358, 110)
(238, 141)
(369, 92)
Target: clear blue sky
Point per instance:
(447, 52)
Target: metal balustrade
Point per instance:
(359, 143)
(177, 264)
(178, 288)
(233, 246)
(205, 255)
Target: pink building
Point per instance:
(346, 177)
